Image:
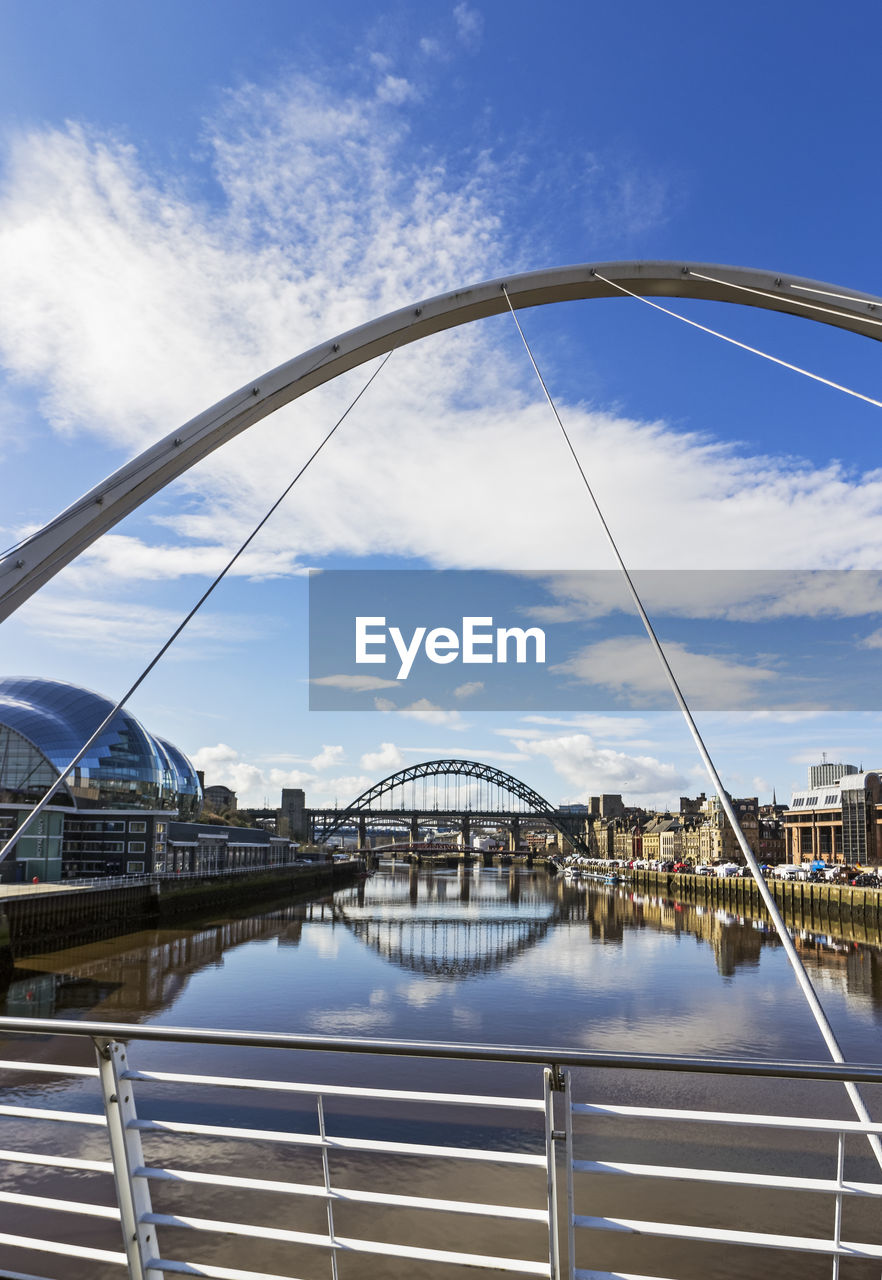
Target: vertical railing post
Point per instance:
(551, 1085)
(132, 1193)
(837, 1218)
(326, 1170)
(571, 1190)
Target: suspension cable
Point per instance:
(65, 773)
(816, 377)
(802, 977)
(767, 293)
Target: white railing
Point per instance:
(298, 1166)
(148, 1150)
(669, 1126)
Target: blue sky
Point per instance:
(191, 194)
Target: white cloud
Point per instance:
(469, 25)
(592, 770)
(469, 689)
(423, 710)
(96, 254)
(465, 753)
(731, 594)
(222, 766)
(356, 684)
(396, 90)
(255, 783)
(132, 628)
(385, 760)
(628, 666)
(328, 758)
(430, 47)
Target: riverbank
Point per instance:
(56, 916)
(803, 903)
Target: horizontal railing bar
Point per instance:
(347, 1244)
(730, 1117)
(209, 1271)
(344, 1194)
(104, 1031)
(773, 1182)
(66, 1250)
(340, 1091)
(56, 1162)
(42, 1113)
(47, 1068)
(22, 1275)
(337, 1144)
(580, 1274)
(60, 1206)
(719, 1235)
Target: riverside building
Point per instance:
(111, 815)
(840, 821)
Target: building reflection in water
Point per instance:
(143, 973)
(440, 924)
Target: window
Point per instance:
(134, 868)
(136, 846)
(138, 826)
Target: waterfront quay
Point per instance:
(40, 915)
(803, 903)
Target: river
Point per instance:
(503, 956)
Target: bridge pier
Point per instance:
(362, 831)
(514, 837)
(466, 832)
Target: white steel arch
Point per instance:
(37, 559)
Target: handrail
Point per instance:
(868, 1073)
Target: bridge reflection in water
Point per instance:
(450, 926)
(440, 925)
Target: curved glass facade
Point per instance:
(184, 781)
(126, 768)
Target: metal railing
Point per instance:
(140, 879)
(287, 1189)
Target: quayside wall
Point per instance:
(37, 921)
(802, 902)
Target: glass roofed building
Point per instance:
(111, 814)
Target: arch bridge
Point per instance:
(465, 792)
(38, 557)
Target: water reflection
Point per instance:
(503, 954)
(449, 926)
